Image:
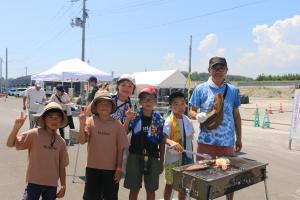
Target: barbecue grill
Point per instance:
(210, 183)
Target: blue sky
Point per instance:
(126, 36)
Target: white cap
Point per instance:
(39, 83)
(127, 77)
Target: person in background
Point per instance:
(93, 88)
(62, 98)
(47, 153)
(33, 100)
(226, 137)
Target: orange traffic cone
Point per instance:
(281, 108)
(270, 109)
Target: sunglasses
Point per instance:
(220, 68)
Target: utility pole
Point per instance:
(26, 71)
(84, 16)
(81, 23)
(6, 65)
(190, 55)
(1, 75)
(189, 81)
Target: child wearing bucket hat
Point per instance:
(146, 150)
(47, 153)
(106, 139)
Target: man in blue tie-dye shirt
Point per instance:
(226, 139)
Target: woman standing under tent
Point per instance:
(62, 98)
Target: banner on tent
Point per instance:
(295, 124)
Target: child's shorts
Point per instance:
(134, 176)
(100, 183)
(35, 191)
(168, 171)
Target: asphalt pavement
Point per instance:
(265, 145)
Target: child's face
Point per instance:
(104, 107)
(178, 106)
(53, 120)
(125, 88)
(148, 102)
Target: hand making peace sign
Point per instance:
(20, 121)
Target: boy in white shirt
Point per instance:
(179, 133)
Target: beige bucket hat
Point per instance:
(102, 94)
(53, 106)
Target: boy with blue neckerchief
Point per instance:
(146, 150)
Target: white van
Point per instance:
(20, 92)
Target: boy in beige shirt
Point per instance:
(47, 153)
(106, 140)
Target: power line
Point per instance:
(66, 28)
(186, 19)
(130, 7)
(53, 24)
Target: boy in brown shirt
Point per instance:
(106, 140)
(47, 153)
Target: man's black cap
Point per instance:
(60, 88)
(217, 60)
(93, 78)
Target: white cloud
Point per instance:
(171, 62)
(209, 42)
(208, 47)
(278, 49)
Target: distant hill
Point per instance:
(204, 76)
(284, 77)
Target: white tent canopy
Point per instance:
(73, 70)
(160, 79)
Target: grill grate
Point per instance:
(215, 182)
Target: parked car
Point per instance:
(11, 91)
(243, 98)
(20, 92)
